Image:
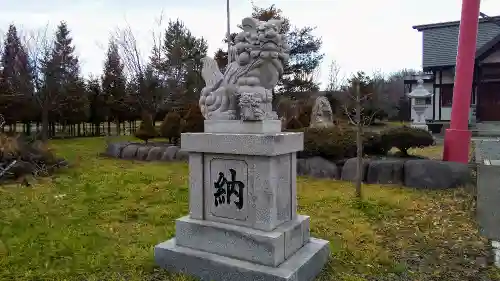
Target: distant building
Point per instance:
(440, 42)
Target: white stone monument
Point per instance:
(321, 114)
(243, 222)
(418, 104)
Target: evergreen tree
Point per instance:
(16, 80)
(114, 84)
(194, 120)
(146, 129)
(220, 55)
(99, 110)
(368, 96)
(305, 56)
(221, 58)
(64, 89)
(171, 127)
(179, 63)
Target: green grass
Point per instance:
(100, 220)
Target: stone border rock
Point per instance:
(415, 173)
(153, 151)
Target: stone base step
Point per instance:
(304, 265)
(486, 129)
(268, 248)
(486, 133)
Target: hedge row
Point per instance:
(337, 144)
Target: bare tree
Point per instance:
(381, 100)
(360, 120)
(38, 46)
(391, 90)
(334, 79)
(158, 39)
(139, 69)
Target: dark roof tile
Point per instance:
(440, 41)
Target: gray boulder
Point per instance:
(182, 155)
(129, 151)
(433, 174)
(142, 152)
(169, 154)
(114, 149)
(155, 153)
(317, 167)
(387, 171)
(349, 169)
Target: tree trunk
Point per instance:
(28, 129)
(45, 124)
(53, 133)
(118, 127)
(359, 144)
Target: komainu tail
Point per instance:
(210, 72)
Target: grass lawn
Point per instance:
(100, 220)
(432, 152)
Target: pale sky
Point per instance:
(363, 35)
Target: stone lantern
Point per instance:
(418, 103)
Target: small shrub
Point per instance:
(329, 143)
(404, 138)
(146, 129)
(293, 124)
(194, 120)
(171, 127)
(374, 145)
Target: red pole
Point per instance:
(457, 138)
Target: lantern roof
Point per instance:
(420, 91)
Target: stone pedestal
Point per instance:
(243, 222)
(420, 126)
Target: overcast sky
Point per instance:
(359, 34)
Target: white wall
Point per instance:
(446, 114)
(447, 78)
(436, 103)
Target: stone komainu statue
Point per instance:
(244, 91)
